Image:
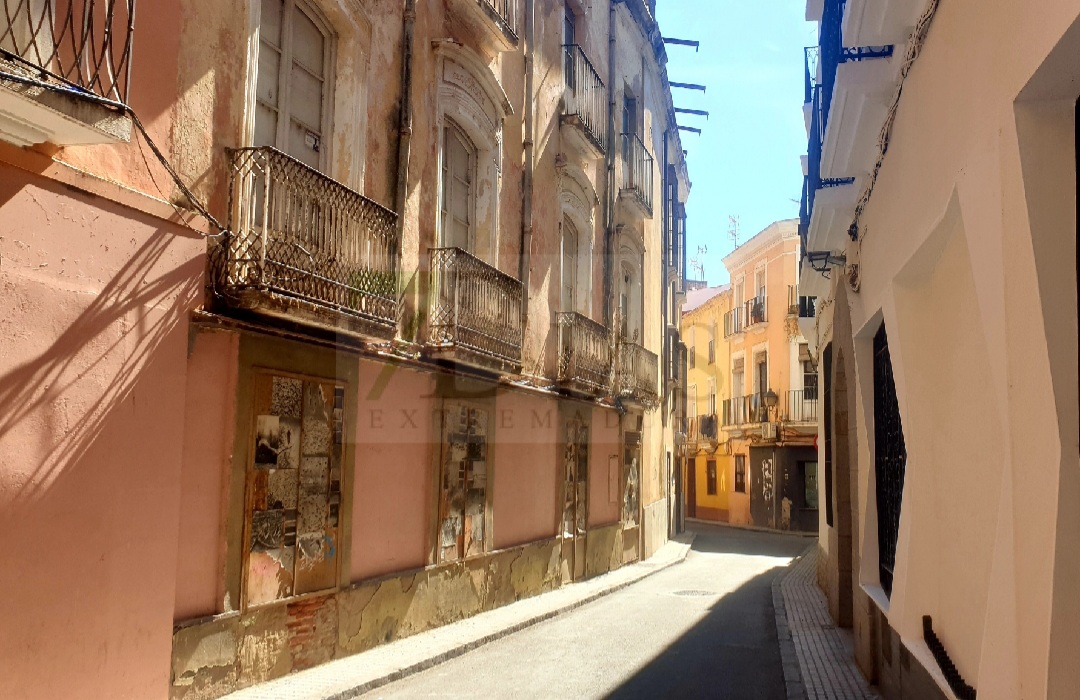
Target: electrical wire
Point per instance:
(914, 48)
(197, 205)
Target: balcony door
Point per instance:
(569, 273)
(292, 84)
(458, 176)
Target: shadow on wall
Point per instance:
(99, 356)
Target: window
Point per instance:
(810, 376)
(629, 117)
(693, 349)
(570, 39)
(890, 459)
(759, 282)
(809, 474)
(630, 293)
(463, 507)
(737, 378)
(293, 488)
(292, 84)
(459, 167)
(740, 473)
(712, 351)
(569, 266)
(712, 397)
(710, 477)
(692, 395)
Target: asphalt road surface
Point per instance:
(704, 628)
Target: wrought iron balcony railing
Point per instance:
(733, 322)
(800, 306)
(586, 96)
(756, 310)
(475, 306)
(296, 233)
(584, 352)
(504, 11)
(636, 375)
(84, 43)
(637, 179)
(802, 405)
(733, 411)
(743, 410)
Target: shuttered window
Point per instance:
(459, 168)
(292, 85)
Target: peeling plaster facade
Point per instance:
(166, 455)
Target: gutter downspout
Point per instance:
(668, 233)
(609, 194)
(525, 259)
(405, 129)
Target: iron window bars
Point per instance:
(298, 233)
(890, 459)
(83, 43)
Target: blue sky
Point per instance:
(746, 161)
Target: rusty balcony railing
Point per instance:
(637, 179)
(584, 352)
(756, 310)
(84, 43)
(298, 234)
(504, 11)
(636, 376)
(475, 306)
(585, 96)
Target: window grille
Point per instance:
(890, 459)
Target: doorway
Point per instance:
(631, 505)
(691, 487)
(575, 518)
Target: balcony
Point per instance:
(303, 248)
(584, 354)
(879, 22)
(475, 312)
(584, 118)
(636, 375)
(707, 426)
(637, 176)
(733, 322)
(800, 306)
(493, 22)
(756, 311)
(68, 61)
(745, 410)
(802, 405)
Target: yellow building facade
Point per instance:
(768, 413)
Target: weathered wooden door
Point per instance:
(691, 487)
(631, 506)
(575, 497)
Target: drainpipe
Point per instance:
(609, 194)
(525, 260)
(404, 129)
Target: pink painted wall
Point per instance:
(209, 423)
(526, 468)
(605, 444)
(94, 301)
(392, 484)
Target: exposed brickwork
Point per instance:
(312, 631)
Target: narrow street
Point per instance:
(703, 628)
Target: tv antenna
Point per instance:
(696, 262)
(733, 228)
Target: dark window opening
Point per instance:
(890, 459)
(710, 477)
(829, 496)
(740, 473)
(810, 476)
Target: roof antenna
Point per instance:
(733, 228)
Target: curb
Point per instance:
(789, 659)
(367, 686)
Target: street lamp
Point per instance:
(771, 398)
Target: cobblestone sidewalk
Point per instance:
(818, 657)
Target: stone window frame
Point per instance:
(469, 95)
(578, 202)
